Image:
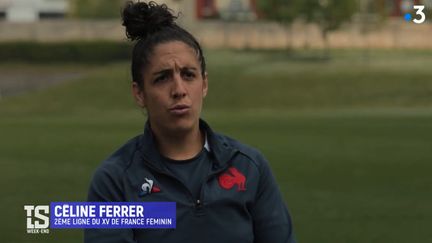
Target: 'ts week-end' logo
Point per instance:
(37, 219)
(41, 218)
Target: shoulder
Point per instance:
(118, 162)
(251, 153)
(108, 180)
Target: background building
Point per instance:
(241, 10)
(32, 10)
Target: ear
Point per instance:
(138, 94)
(205, 84)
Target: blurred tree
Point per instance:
(372, 14)
(328, 14)
(281, 11)
(428, 9)
(379, 8)
(96, 9)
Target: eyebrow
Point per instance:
(170, 70)
(162, 71)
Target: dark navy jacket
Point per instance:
(239, 202)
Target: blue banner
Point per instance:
(112, 215)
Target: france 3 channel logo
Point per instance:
(418, 17)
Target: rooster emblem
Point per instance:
(233, 177)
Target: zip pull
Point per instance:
(199, 205)
(199, 208)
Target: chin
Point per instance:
(181, 125)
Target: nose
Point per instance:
(178, 89)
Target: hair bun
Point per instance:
(142, 19)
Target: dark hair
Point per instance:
(150, 24)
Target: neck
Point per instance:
(179, 146)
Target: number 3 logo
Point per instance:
(419, 12)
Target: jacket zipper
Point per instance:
(198, 203)
(171, 176)
(210, 176)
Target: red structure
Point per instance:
(206, 9)
(395, 6)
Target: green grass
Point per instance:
(89, 52)
(349, 140)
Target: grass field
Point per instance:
(349, 139)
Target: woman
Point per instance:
(224, 190)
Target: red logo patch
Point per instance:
(148, 187)
(233, 177)
(155, 189)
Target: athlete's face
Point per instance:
(173, 88)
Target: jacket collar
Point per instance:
(220, 150)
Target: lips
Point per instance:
(179, 109)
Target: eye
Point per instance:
(160, 78)
(188, 75)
